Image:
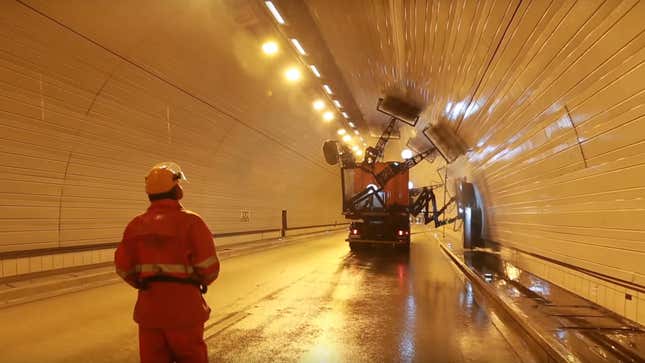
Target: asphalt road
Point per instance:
(311, 301)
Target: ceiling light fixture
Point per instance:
(270, 48)
(319, 105)
(328, 116)
(314, 70)
(347, 138)
(292, 74)
(337, 103)
(345, 115)
(351, 124)
(356, 132)
(298, 47)
(274, 11)
(327, 89)
(406, 153)
(342, 131)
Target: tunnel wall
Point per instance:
(557, 130)
(80, 126)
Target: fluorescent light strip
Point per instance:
(345, 115)
(337, 103)
(298, 47)
(274, 11)
(352, 124)
(314, 70)
(327, 89)
(356, 132)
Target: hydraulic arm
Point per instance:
(420, 200)
(395, 168)
(372, 154)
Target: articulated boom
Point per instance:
(376, 194)
(373, 154)
(420, 200)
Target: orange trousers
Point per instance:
(184, 345)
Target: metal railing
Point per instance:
(102, 246)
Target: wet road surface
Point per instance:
(586, 331)
(313, 301)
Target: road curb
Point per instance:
(555, 353)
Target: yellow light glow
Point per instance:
(347, 138)
(359, 152)
(328, 116)
(356, 132)
(355, 147)
(341, 132)
(319, 105)
(270, 48)
(292, 74)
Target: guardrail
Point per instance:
(101, 246)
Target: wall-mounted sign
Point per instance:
(245, 215)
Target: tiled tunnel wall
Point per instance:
(80, 126)
(558, 135)
(549, 97)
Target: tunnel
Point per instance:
(510, 133)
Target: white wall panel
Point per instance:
(84, 113)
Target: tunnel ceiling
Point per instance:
(209, 51)
(434, 54)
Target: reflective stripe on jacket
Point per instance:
(168, 240)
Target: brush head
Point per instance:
(399, 109)
(446, 140)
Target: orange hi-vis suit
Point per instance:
(169, 242)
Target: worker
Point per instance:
(168, 254)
